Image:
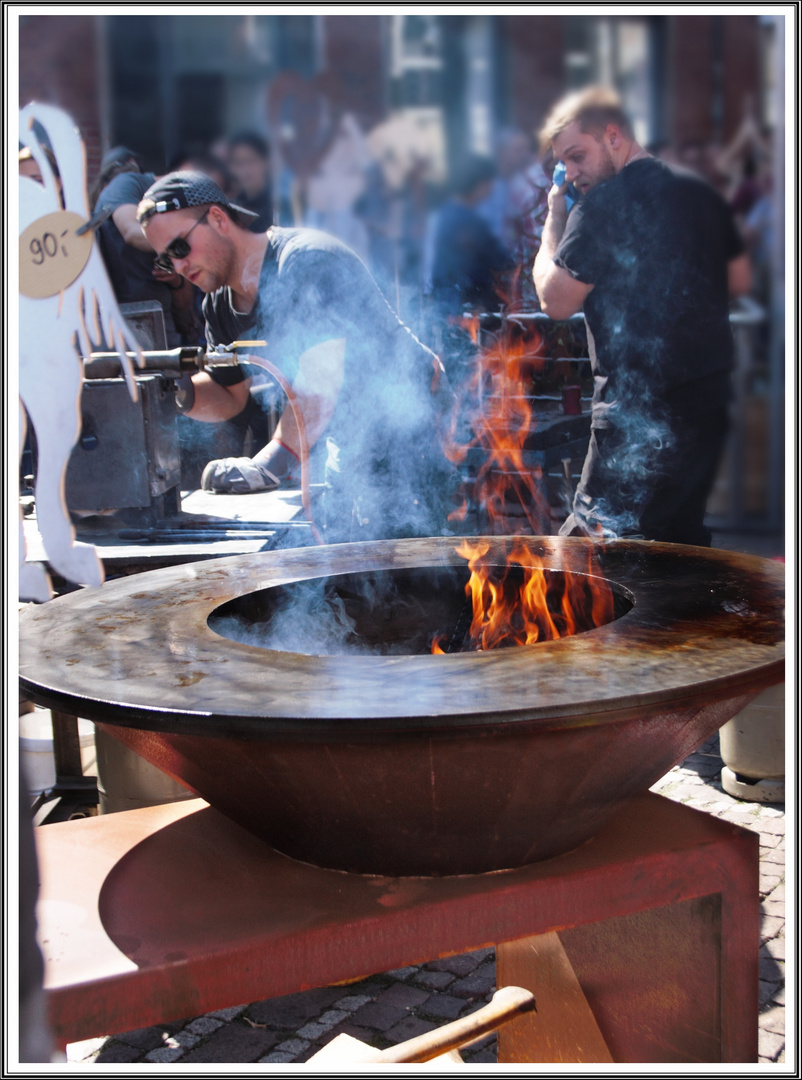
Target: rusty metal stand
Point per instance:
(173, 911)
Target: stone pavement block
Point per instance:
(703, 765)
(276, 1058)
(777, 894)
(481, 1057)
(774, 947)
(779, 996)
(772, 855)
(775, 908)
(228, 1014)
(406, 997)
(457, 965)
(401, 973)
(204, 1025)
(435, 980)
(293, 1046)
(771, 970)
(770, 926)
(769, 1044)
(294, 1010)
(775, 825)
(409, 1028)
(771, 840)
(484, 954)
(443, 1006)
(185, 1039)
(352, 1002)
(371, 988)
(768, 989)
(356, 1032)
(768, 883)
(476, 985)
(164, 1054)
(773, 1019)
(117, 1053)
(234, 1043)
(148, 1038)
(315, 1028)
(380, 1017)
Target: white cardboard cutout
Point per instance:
(54, 330)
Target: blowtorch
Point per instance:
(171, 363)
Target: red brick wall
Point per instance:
(690, 78)
(741, 67)
(58, 66)
(353, 49)
(536, 77)
(690, 65)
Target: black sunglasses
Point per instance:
(177, 249)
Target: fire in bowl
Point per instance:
(297, 691)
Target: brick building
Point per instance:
(159, 82)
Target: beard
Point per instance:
(606, 169)
(220, 269)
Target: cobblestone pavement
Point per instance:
(398, 1005)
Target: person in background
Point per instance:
(28, 166)
(651, 254)
(513, 156)
(745, 164)
(250, 166)
(208, 162)
(117, 160)
(131, 261)
(526, 215)
(469, 262)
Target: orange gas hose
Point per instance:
(303, 444)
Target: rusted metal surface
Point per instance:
(416, 764)
(564, 1028)
(173, 911)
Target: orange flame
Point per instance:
(525, 601)
(501, 420)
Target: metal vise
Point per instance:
(127, 456)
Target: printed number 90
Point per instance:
(46, 247)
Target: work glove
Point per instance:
(239, 476)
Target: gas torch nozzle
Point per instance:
(171, 363)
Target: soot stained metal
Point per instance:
(398, 762)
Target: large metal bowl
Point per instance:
(416, 764)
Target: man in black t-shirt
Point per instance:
(361, 378)
(652, 255)
(129, 257)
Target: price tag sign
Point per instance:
(51, 256)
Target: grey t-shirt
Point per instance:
(313, 289)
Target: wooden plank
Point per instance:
(564, 1028)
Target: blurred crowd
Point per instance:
(437, 249)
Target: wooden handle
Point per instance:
(506, 1004)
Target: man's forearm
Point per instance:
(214, 403)
(553, 230)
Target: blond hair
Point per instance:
(592, 108)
